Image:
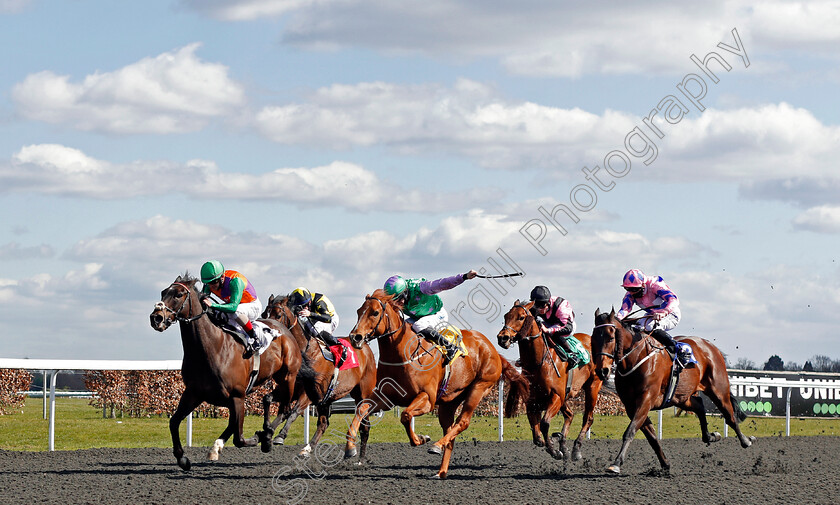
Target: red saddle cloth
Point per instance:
(352, 360)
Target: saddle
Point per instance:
(343, 356)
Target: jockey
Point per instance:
(556, 320)
(316, 314)
(419, 300)
(239, 296)
(645, 292)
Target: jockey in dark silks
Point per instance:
(556, 320)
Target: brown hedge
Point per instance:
(13, 381)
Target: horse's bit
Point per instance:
(177, 313)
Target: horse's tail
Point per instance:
(309, 377)
(740, 415)
(520, 388)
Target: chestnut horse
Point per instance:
(643, 370)
(358, 382)
(214, 370)
(548, 375)
(413, 370)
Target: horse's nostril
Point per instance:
(157, 319)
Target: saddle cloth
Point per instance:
(453, 336)
(334, 355)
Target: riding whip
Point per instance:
(502, 276)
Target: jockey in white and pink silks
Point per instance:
(651, 291)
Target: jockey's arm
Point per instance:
(237, 287)
(319, 312)
(669, 301)
(435, 287)
(626, 306)
(560, 330)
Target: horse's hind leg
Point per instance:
(728, 407)
(323, 424)
(298, 408)
(186, 405)
(696, 405)
(237, 420)
(268, 428)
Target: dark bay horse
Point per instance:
(548, 375)
(411, 374)
(358, 382)
(643, 370)
(214, 370)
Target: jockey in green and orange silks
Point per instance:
(241, 303)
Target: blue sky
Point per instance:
(331, 144)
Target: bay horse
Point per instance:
(358, 382)
(213, 368)
(549, 378)
(643, 370)
(412, 370)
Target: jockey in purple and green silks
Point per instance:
(419, 301)
(238, 294)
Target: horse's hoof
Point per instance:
(306, 451)
(438, 476)
(613, 470)
(184, 463)
(717, 437)
(424, 439)
(265, 446)
(558, 455)
(350, 453)
(539, 443)
(577, 456)
(752, 438)
(435, 449)
(278, 440)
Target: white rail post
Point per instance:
(306, 425)
(501, 413)
(44, 391)
(787, 412)
(189, 429)
(51, 439)
(659, 429)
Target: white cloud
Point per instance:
(561, 38)
(174, 92)
(60, 170)
(822, 219)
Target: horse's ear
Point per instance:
(517, 302)
(270, 298)
(612, 312)
(598, 312)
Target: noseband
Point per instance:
(616, 353)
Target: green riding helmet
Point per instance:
(395, 285)
(211, 271)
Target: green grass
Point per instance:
(80, 426)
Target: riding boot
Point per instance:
(252, 345)
(571, 358)
(434, 337)
(665, 339)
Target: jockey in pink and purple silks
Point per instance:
(661, 305)
(557, 321)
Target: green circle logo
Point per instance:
(759, 407)
(832, 409)
(744, 405)
(751, 406)
(817, 408)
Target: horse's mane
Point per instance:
(187, 280)
(380, 294)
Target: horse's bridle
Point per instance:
(370, 336)
(615, 355)
(177, 313)
(518, 336)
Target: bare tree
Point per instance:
(744, 364)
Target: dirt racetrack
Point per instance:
(774, 470)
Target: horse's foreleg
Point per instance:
(637, 418)
(363, 410)
(554, 406)
(268, 428)
(592, 388)
(186, 405)
(534, 417)
(473, 398)
(419, 406)
(650, 434)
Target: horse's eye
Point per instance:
(374, 313)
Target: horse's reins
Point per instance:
(370, 336)
(176, 313)
(614, 356)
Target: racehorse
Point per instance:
(643, 371)
(411, 369)
(214, 370)
(551, 388)
(358, 382)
